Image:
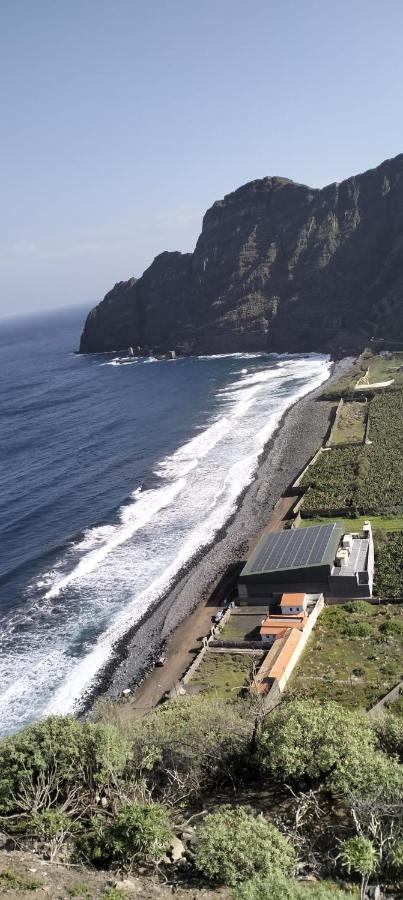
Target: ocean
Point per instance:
(113, 477)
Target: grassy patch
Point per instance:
(242, 627)
(11, 880)
(352, 656)
(350, 425)
(81, 891)
(381, 369)
(346, 384)
(225, 674)
(379, 523)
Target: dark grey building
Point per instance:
(317, 559)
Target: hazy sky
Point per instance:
(123, 120)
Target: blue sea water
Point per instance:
(112, 477)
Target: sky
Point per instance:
(122, 121)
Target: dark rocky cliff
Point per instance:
(278, 266)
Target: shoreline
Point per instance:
(280, 462)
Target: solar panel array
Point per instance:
(292, 549)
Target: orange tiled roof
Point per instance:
(272, 625)
(292, 599)
(292, 639)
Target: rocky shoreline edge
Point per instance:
(298, 435)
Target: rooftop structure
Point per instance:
(280, 552)
(315, 559)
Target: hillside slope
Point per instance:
(278, 266)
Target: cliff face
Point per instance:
(278, 266)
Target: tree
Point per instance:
(306, 741)
(233, 845)
(358, 854)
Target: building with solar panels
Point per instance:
(318, 559)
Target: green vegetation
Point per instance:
(350, 425)
(192, 760)
(138, 833)
(234, 844)
(383, 369)
(242, 627)
(389, 565)
(10, 880)
(80, 890)
(66, 755)
(114, 894)
(326, 744)
(332, 480)
(381, 489)
(349, 657)
(277, 886)
(378, 523)
(364, 479)
(226, 674)
(358, 854)
(346, 384)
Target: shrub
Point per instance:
(389, 731)
(392, 627)
(323, 743)
(52, 827)
(114, 894)
(139, 833)
(358, 854)
(234, 845)
(357, 629)
(40, 765)
(266, 887)
(394, 860)
(359, 606)
(185, 745)
(277, 887)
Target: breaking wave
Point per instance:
(103, 583)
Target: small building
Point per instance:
(303, 561)
(274, 627)
(293, 603)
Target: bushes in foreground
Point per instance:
(276, 886)
(91, 790)
(57, 759)
(139, 833)
(233, 844)
(325, 744)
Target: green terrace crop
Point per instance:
(367, 479)
(332, 480)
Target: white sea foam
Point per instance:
(106, 581)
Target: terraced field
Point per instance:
(354, 655)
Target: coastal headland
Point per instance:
(298, 436)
